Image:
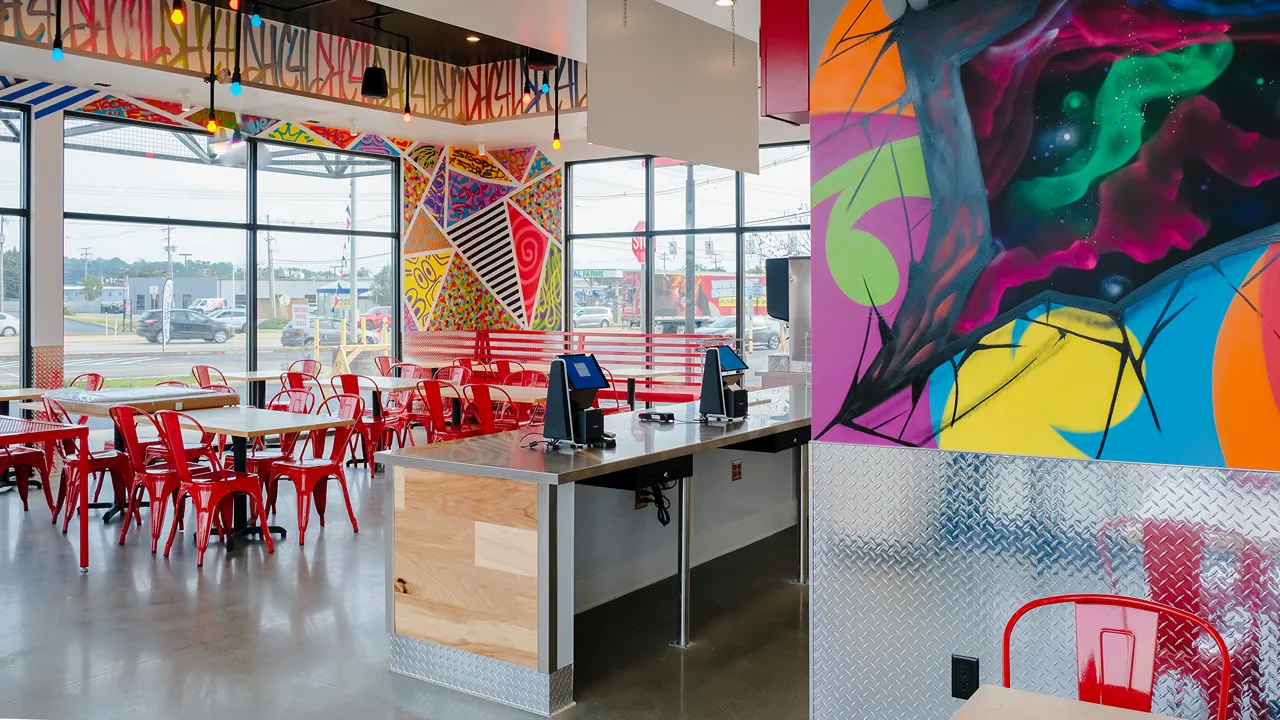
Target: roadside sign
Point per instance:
(166, 310)
(637, 243)
(301, 315)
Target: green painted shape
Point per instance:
(861, 264)
(1117, 115)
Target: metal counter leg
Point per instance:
(684, 514)
(800, 468)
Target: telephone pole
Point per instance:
(169, 247)
(84, 253)
(271, 271)
(2, 222)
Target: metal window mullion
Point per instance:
(740, 264)
(251, 261)
(26, 349)
(647, 317)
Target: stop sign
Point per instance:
(637, 243)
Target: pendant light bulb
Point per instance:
(211, 126)
(256, 20)
(179, 13)
(236, 88)
(57, 49)
(408, 116)
(555, 141)
(234, 5)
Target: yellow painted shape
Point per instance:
(1017, 401)
(423, 278)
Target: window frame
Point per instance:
(26, 368)
(739, 230)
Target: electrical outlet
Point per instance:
(964, 676)
(641, 500)
(735, 471)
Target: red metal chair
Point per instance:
(455, 374)
(158, 480)
(493, 407)
(207, 490)
(22, 460)
(310, 475)
(224, 389)
(260, 460)
(437, 419)
(307, 367)
(172, 383)
(531, 413)
(1116, 647)
(204, 375)
(368, 427)
(617, 405)
(383, 363)
(503, 368)
(100, 463)
(92, 382)
(298, 380)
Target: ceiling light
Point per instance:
(724, 3)
(473, 38)
(373, 86)
(480, 148)
(57, 33)
(555, 140)
(236, 88)
(408, 67)
(179, 13)
(234, 5)
(256, 19)
(57, 49)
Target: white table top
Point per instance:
(12, 394)
(251, 422)
(999, 703)
(504, 455)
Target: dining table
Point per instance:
(993, 702)
(631, 374)
(10, 395)
(256, 382)
(17, 431)
(98, 403)
(243, 424)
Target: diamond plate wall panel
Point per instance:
(918, 554)
(47, 363)
(484, 677)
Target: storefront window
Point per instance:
(12, 242)
(607, 196)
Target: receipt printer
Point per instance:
(722, 378)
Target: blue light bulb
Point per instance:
(256, 20)
(546, 88)
(235, 88)
(57, 54)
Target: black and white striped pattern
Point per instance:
(485, 242)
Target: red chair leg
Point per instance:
(320, 492)
(304, 510)
(159, 506)
(24, 485)
(342, 482)
(204, 526)
(262, 516)
(177, 521)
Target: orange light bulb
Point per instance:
(408, 116)
(177, 16)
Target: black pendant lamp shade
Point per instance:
(373, 86)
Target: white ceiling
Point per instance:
(560, 26)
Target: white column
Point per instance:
(44, 288)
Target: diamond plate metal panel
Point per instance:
(918, 554)
(484, 677)
(47, 363)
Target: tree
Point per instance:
(381, 287)
(92, 288)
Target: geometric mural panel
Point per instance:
(540, 165)
(425, 236)
(531, 254)
(465, 304)
(542, 202)
(549, 313)
(415, 186)
(468, 196)
(514, 160)
(423, 278)
(485, 241)
(480, 166)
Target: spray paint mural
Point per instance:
(1055, 222)
(285, 57)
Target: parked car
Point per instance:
(183, 325)
(8, 324)
(235, 318)
(593, 317)
(207, 305)
(378, 317)
(764, 331)
(330, 332)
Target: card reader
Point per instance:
(654, 416)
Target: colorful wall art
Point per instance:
(285, 57)
(484, 244)
(1049, 227)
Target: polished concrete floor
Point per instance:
(300, 634)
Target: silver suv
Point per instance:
(593, 317)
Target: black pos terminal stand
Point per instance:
(570, 419)
(723, 396)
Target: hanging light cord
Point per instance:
(733, 31)
(624, 13)
(213, 75)
(239, 26)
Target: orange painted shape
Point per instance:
(849, 57)
(1244, 408)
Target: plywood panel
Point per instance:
(511, 550)
(466, 563)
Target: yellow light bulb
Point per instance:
(212, 126)
(555, 144)
(177, 16)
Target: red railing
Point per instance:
(664, 351)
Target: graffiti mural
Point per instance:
(285, 57)
(1049, 228)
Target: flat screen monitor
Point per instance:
(583, 372)
(729, 360)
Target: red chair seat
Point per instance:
(23, 460)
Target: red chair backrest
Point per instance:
(455, 374)
(307, 367)
(297, 380)
(506, 367)
(172, 383)
(484, 401)
(429, 391)
(92, 381)
(383, 363)
(466, 362)
(169, 424)
(126, 420)
(204, 375)
(294, 401)
(409, 370)
(224, 389)
(347, 407)
(349, 384)
(1116, 640)
(527, 378)
(56, 413)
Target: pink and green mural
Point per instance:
(1049, 227)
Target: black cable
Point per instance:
(661, 502)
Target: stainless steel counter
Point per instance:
(507, 456)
